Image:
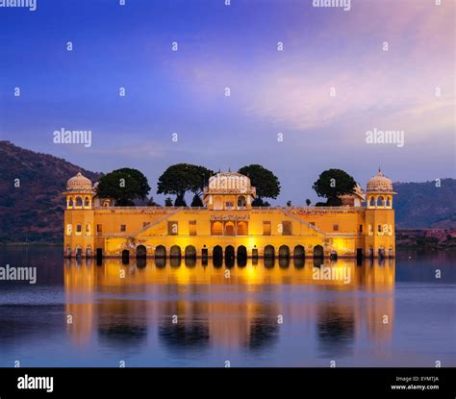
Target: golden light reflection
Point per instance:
(230, 307)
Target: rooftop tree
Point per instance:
(181, 178)
(266, 183)
(123, 185)
(333, 183)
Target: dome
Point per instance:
(79, 183)
(380, 183)
(229, 182)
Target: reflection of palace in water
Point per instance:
(193, 305)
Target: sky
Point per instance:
(341, 76)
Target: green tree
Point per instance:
(181, 178)
(333, 183)
(123, 185)
(266, 183)
(308, 202)
(168, 202)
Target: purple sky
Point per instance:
(272, 91)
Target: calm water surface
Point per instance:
(395, 313)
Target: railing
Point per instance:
(343, 208)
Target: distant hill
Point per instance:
(423, 205)
(34, 211)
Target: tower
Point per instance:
(380, 228)
(78, 220)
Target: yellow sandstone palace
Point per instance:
(228, 226)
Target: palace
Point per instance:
(228, 226)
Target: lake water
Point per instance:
(396, 313)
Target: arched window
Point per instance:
(78, 201)
(70, 202)
(242, 228)
(229, 229)
(380, 201)
(241, 202)
(388, 201)
(372, 201)
(86, 202)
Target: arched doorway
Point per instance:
(160, 252)
(125, 256)
(217, 256)
(229, 255)
(190, 251)
(141, 251)
(284, 251)
(269, 252)
(175, 252)
(241, 255)
(217, 252)
(318, 251)
(299, 252)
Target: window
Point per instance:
(266, 228)
(88, 229)
(229, 205)
(229, 229)
(216, 228)
(99, 228)
(123, 228)
(192, 227)
(69, 229)
(379, 228)
(173, 228)
(335, 227)
(78, 229)
(242, 228)
(286, 228)
(360, 228)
